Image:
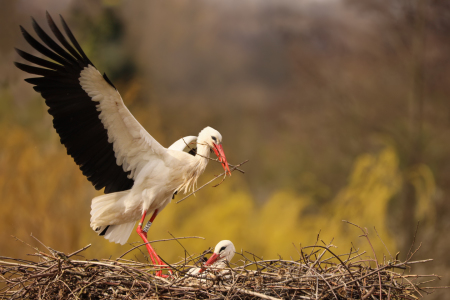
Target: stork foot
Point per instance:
(152, 253)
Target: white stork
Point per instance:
(108, 144)
(223, 253)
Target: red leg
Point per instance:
(146, 228)
(143, 234)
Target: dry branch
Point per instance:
(233, 167)
(313, 276)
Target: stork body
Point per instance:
(112, 149)
(153, 189)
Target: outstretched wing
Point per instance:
(105, 140)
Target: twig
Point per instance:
(366, 235)
(252, 293)
(60, 277)
(78, 251)
(368, 293)
(215, 160)
(412, 244)
(392, 259)
(223, 173)
(164, 240)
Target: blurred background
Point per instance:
(341, 106)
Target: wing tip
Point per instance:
(22, 30)
(20, 66)
(49, 19)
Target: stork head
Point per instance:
(224, 251)
(212, 138)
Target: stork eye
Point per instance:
(221, 249)
(214, 138)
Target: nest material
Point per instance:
(318, 274)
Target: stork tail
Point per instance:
(104, 211)
(118, 233)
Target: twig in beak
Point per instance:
(223, 173)
(223, 179)
(215, 160)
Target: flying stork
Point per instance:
(109, 145)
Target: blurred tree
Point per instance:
(341, 107)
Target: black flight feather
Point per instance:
(61, 38)
(75, 115)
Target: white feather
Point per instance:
(132, 143)
(103, 208)
(119, 233)
(157, 172)
(182, 143)
(226, 255)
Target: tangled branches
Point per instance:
(319, 273)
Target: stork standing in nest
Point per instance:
(109, 145)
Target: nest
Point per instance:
(319, 273)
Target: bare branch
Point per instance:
(223, 173)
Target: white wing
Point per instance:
(182, 143)
(99, 132)
(133, 145)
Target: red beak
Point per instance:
(221, 155)
(210, 261)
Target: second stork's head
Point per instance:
(224, 251)
(213, 140)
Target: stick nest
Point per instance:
(318, 274)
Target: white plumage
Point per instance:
(112, 149)
(154, 187)
(222, 255)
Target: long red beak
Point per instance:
(210, 261)
(221, 155)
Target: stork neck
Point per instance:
(202, 157)
(195, 168)
(202, 151)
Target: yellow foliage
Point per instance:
(43, 192)
(422, 179)
(215, 214)
(375, 179)
(279, 223)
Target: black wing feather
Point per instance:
(42, 49)
(52, 44)
(75, 115)
(74, 41)
(61, 38)
(37, 71)
(39, 61)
